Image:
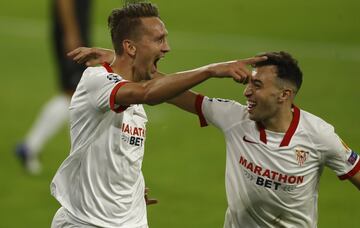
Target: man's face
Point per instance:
(151, 46)
(262, 94)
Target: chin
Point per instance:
(253, 117)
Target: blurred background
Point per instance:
(184, 165)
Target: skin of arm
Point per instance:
(185, 101)
(171, 88)
(161, 89)
(356, 180)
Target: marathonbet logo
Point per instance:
(301, 156)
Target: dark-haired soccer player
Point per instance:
(275, 152)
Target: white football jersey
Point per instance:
(272, 179)
(100, 183)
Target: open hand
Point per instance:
(92, 56)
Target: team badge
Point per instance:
(301, 156)
(113, 77)
(353, 157)
(218, 99)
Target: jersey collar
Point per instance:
(108, 67)
(290, 131)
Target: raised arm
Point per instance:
(161, 89)
(171, 88)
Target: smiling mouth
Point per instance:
(251, 105)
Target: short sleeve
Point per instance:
(222, 113)
(339, 157)
(101, 87)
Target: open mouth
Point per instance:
(155, 67)
(155, 62)
(250, 105)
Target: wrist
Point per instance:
(207, 71)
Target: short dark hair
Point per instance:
(287, 67)
(124, 23)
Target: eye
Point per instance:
(161, 40)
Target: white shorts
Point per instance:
(62, 219)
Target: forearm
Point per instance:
(175, 87)
(185, 100)
(356, 180)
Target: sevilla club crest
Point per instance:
(301, 155)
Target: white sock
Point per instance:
(50, 120)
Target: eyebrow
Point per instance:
(161, 36)
(257, 81)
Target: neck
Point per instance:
(280, 122)
(123, 67)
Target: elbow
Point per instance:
(151, 98)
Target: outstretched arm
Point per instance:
(356, 180)
(161, 89)
(172, 88)
(185, 101)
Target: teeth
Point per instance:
(250, 104)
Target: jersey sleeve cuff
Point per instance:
(198, 106)
(351, 172)
(113, 106)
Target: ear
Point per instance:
(286, 94)
(129, 47)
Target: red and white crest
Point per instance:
(301, 155)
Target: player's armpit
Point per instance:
(356, 179)
(185, 101)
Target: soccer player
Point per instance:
(275, 152)
(100, 184)
(70, 29)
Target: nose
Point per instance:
(247, 91)
(166, 46)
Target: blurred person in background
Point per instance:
(70, 29)
(275, 152)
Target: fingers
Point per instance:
(147, 200)
(241, 76)
(74, 52)
(151, 201)
(253, 60)
(85, 55)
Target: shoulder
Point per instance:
(224, 103)
(224, 113)
(314, 123)
(94, 77)
(319, 131)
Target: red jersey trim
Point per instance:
(121, 108)
(292, 128)
(290, 131)
(262, 132)
(198, 105)
(108, 67)
(352, 172)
